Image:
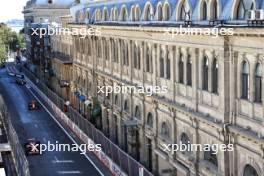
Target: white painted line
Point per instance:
(86, 156)
(56, 159)
(69, 172)
(63, 161)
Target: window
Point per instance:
(123, 14)
(203, 10)
(162, 65)
(105, 15)
(114, 14)
(205, 73)
(105, 43)
(139, 57)
(98, 15)
(165, 131)
(215, 77)
(181, 73)
(137, 14)
(167, 13)
(211, 157)
(148, 13)
(125, 53)
(148, 60)
(250, 171)
(243, 7)
(168, 71)
(150, 120)
(258, 83)
(135, 56)
(189, 71)
(126, 106)
(214, 13)
(88, 15)
(159, 12)
(185, 11)
(245, 80)
(116, 100)
(185, 140)
(137, 113)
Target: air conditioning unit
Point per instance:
(251, 15)
(259, 14)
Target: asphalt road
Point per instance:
(40, 125)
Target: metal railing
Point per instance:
(126, 163)
(20, 160)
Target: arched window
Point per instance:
(214, 10)
(159, 12)
(250, 171)
(148, 13)
(98, 15)
(215, 76)
(205, 73)
(211, 157)
(126, 106)
(114, 14)
(123, 14)
(258, 83)
(245, 80)
(162, 64)
(165, 130)
(189, 71)
(105, 15)
(150, 120)
(133, 13)
(137, 113)
(243, 7)
(185, 140)
(185, 11)
(203, 10)
(181, 72)
(166, 12)
(137, 13)
(88, 15)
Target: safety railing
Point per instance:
(126, 163)
(20, 160)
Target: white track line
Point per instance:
(87, 157)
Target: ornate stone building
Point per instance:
(214, 83)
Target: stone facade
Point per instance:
(214, 85)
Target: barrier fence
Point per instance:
(119, 162)
(20, 160)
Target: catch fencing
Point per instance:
(119, 162)
(20, 160)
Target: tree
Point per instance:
(3, 54)
(9, 41)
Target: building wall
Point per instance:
(205, 117)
